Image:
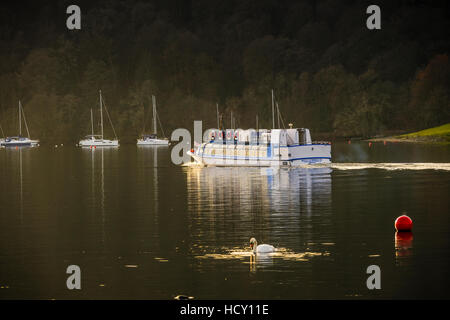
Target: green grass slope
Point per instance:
(437, 134)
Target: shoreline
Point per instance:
(437, 135)
(422, 140)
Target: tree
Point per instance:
(430, 93)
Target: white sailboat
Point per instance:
(152, 139)
(93, 140)
(19, 141)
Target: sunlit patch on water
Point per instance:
(280, 253)
(383, 166)
(353, 166)
(321, 243)
(286, 254)
(192, 165)
(226, 254)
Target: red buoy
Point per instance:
(403, 223)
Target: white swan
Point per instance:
(262, 248)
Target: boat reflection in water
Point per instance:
(277, 206)
(146, 153)
(279, 189)
(100, 162)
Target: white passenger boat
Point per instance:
(93, 140)
(261, 148)
(152, 139)
(19, 141)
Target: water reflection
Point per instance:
(14, 158)
(21, 185)
(260, 261)
(274, 205)
(263, 260)
(146, 230)
(146, 153)
(15, 199)
(95, 157)
(403, 246)
(279, 189)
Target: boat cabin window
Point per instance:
(304, 136)
(301, 137)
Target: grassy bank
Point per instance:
(439, 134)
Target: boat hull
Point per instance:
(99, 143)
(19, 143)
(152, 142)
(267, 156)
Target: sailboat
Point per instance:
(94, 140)
(152, 139)
(19, 141)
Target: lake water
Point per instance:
(140, 227)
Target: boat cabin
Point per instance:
(149, 136)
(283, 137)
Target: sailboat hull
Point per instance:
(25, 142)
(152, 142)
(99, 143)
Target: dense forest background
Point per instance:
(329, 72)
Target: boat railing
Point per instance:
(321, 142)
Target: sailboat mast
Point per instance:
(92, 123)
(217, 111)
(143, 112)
(101, 112)
(273, 113)
(25, 121)
(154, 114)
(231, 120)
(20, 121)
(278, 114)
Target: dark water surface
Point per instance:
(140, 227)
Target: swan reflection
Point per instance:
(258, 261)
